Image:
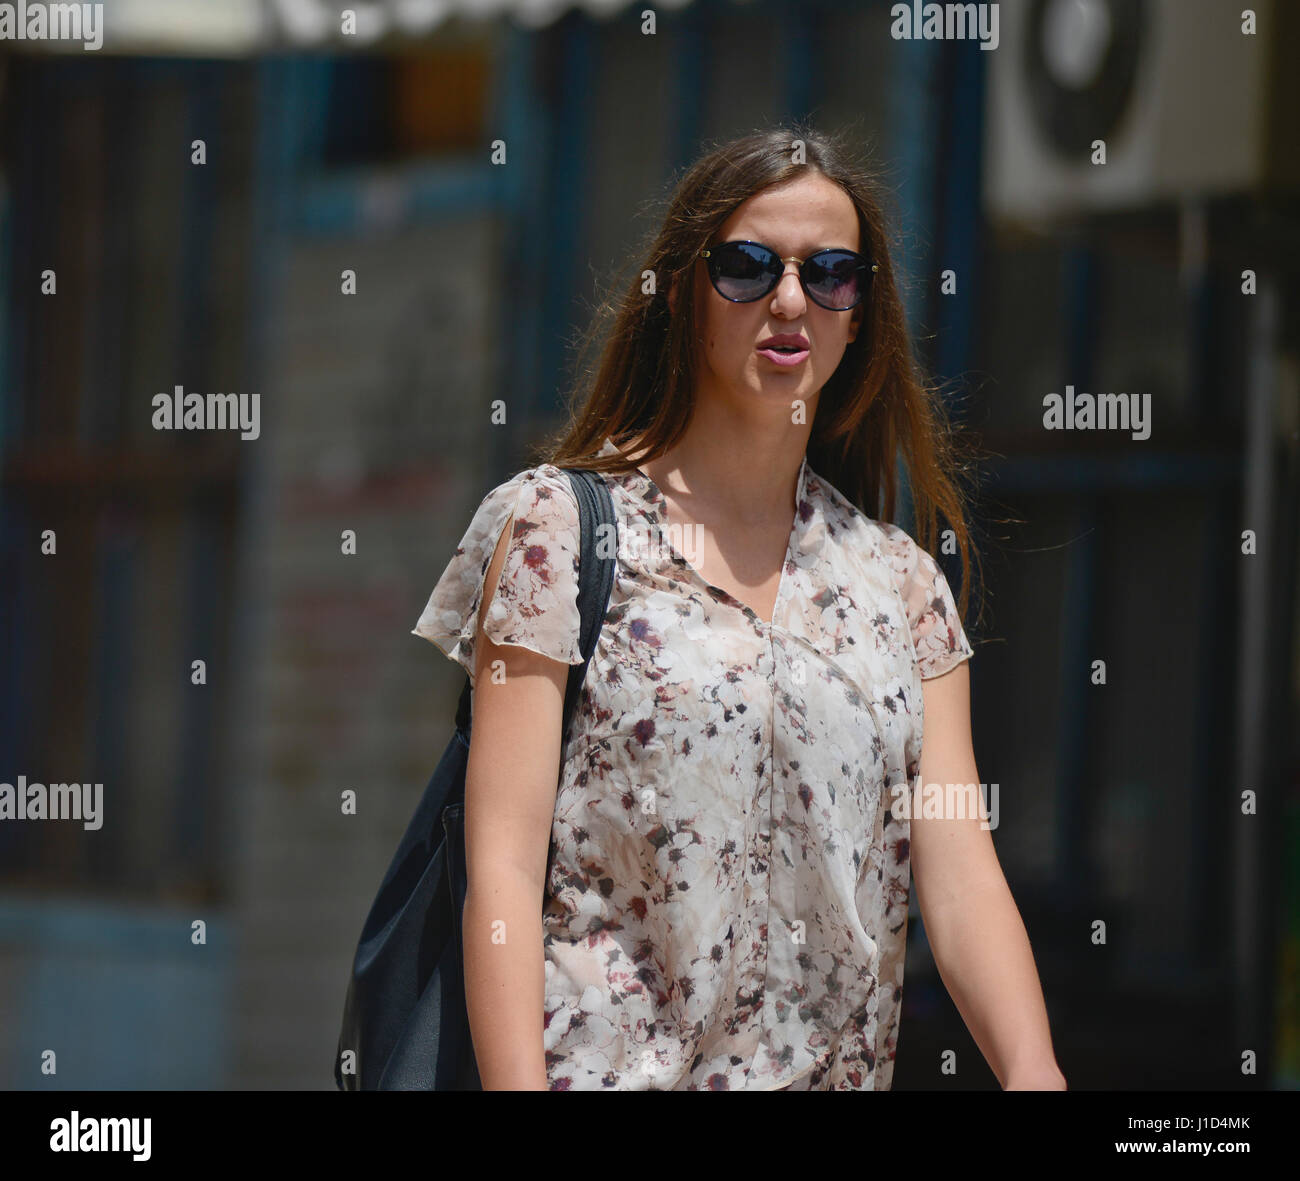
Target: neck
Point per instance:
(749, 470)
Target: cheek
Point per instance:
(830, 356)
(711, 335)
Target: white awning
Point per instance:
(239, 27)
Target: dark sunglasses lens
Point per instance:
(836, 279)
(742, 271)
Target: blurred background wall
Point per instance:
(342, 245)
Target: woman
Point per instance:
(727, 902)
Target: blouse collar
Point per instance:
(802, 577)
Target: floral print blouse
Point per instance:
(726, 907)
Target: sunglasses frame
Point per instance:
(707, 253)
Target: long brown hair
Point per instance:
(874, 409)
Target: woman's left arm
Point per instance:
(975, 931)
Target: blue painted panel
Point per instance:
(352, 202)
(690, 34)
(120, 994)
(913, 150)
(962, 210)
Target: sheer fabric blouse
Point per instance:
(726, 906)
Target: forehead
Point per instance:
(801, 215)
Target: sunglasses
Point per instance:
(745, 271)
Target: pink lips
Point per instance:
(796, 346)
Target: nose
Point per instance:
(789, 288)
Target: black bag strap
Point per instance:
(595, 581)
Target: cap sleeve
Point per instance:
(535, 604)
(937, 634)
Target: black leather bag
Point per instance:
(405, 1026)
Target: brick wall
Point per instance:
(376, 420)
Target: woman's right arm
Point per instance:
(510, 784)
